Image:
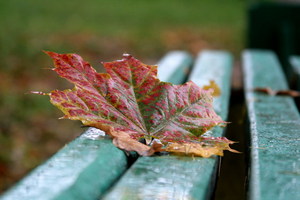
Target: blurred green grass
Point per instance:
(99, 30)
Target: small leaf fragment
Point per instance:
(214, 86)
(206, 149)
(269, 91)
(123, 141)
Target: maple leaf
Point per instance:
(129, 102)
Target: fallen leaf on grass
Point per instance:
(269, 91)
(130, 103)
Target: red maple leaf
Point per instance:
(129, 102)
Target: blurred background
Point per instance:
(98, 30)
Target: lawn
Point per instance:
(99, 30)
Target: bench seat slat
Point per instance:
(175, 177)
(274, 130)
(89, 165)
(174, 67)
(70, 173)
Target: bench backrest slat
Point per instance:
(274, 130)
(88, 166)
(175, 177)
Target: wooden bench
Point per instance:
(274, 130)
(90, 167)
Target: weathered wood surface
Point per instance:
(175, 67)
(175, 177)
(89, 165)
(274, 131)
(83, 169)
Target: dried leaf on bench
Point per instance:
(123, 140)
(130, 103)
(204, 148)
(214, 86)
(269, 91)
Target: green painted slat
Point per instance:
(295, 63)
(174, 67)
(83, 169)
(175, 177)
(87, 167)
(274, 131)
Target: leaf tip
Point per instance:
(233, 150)
(64, 117)
(126, 56)
(48, 52)
(39, 93)
(51, 54)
